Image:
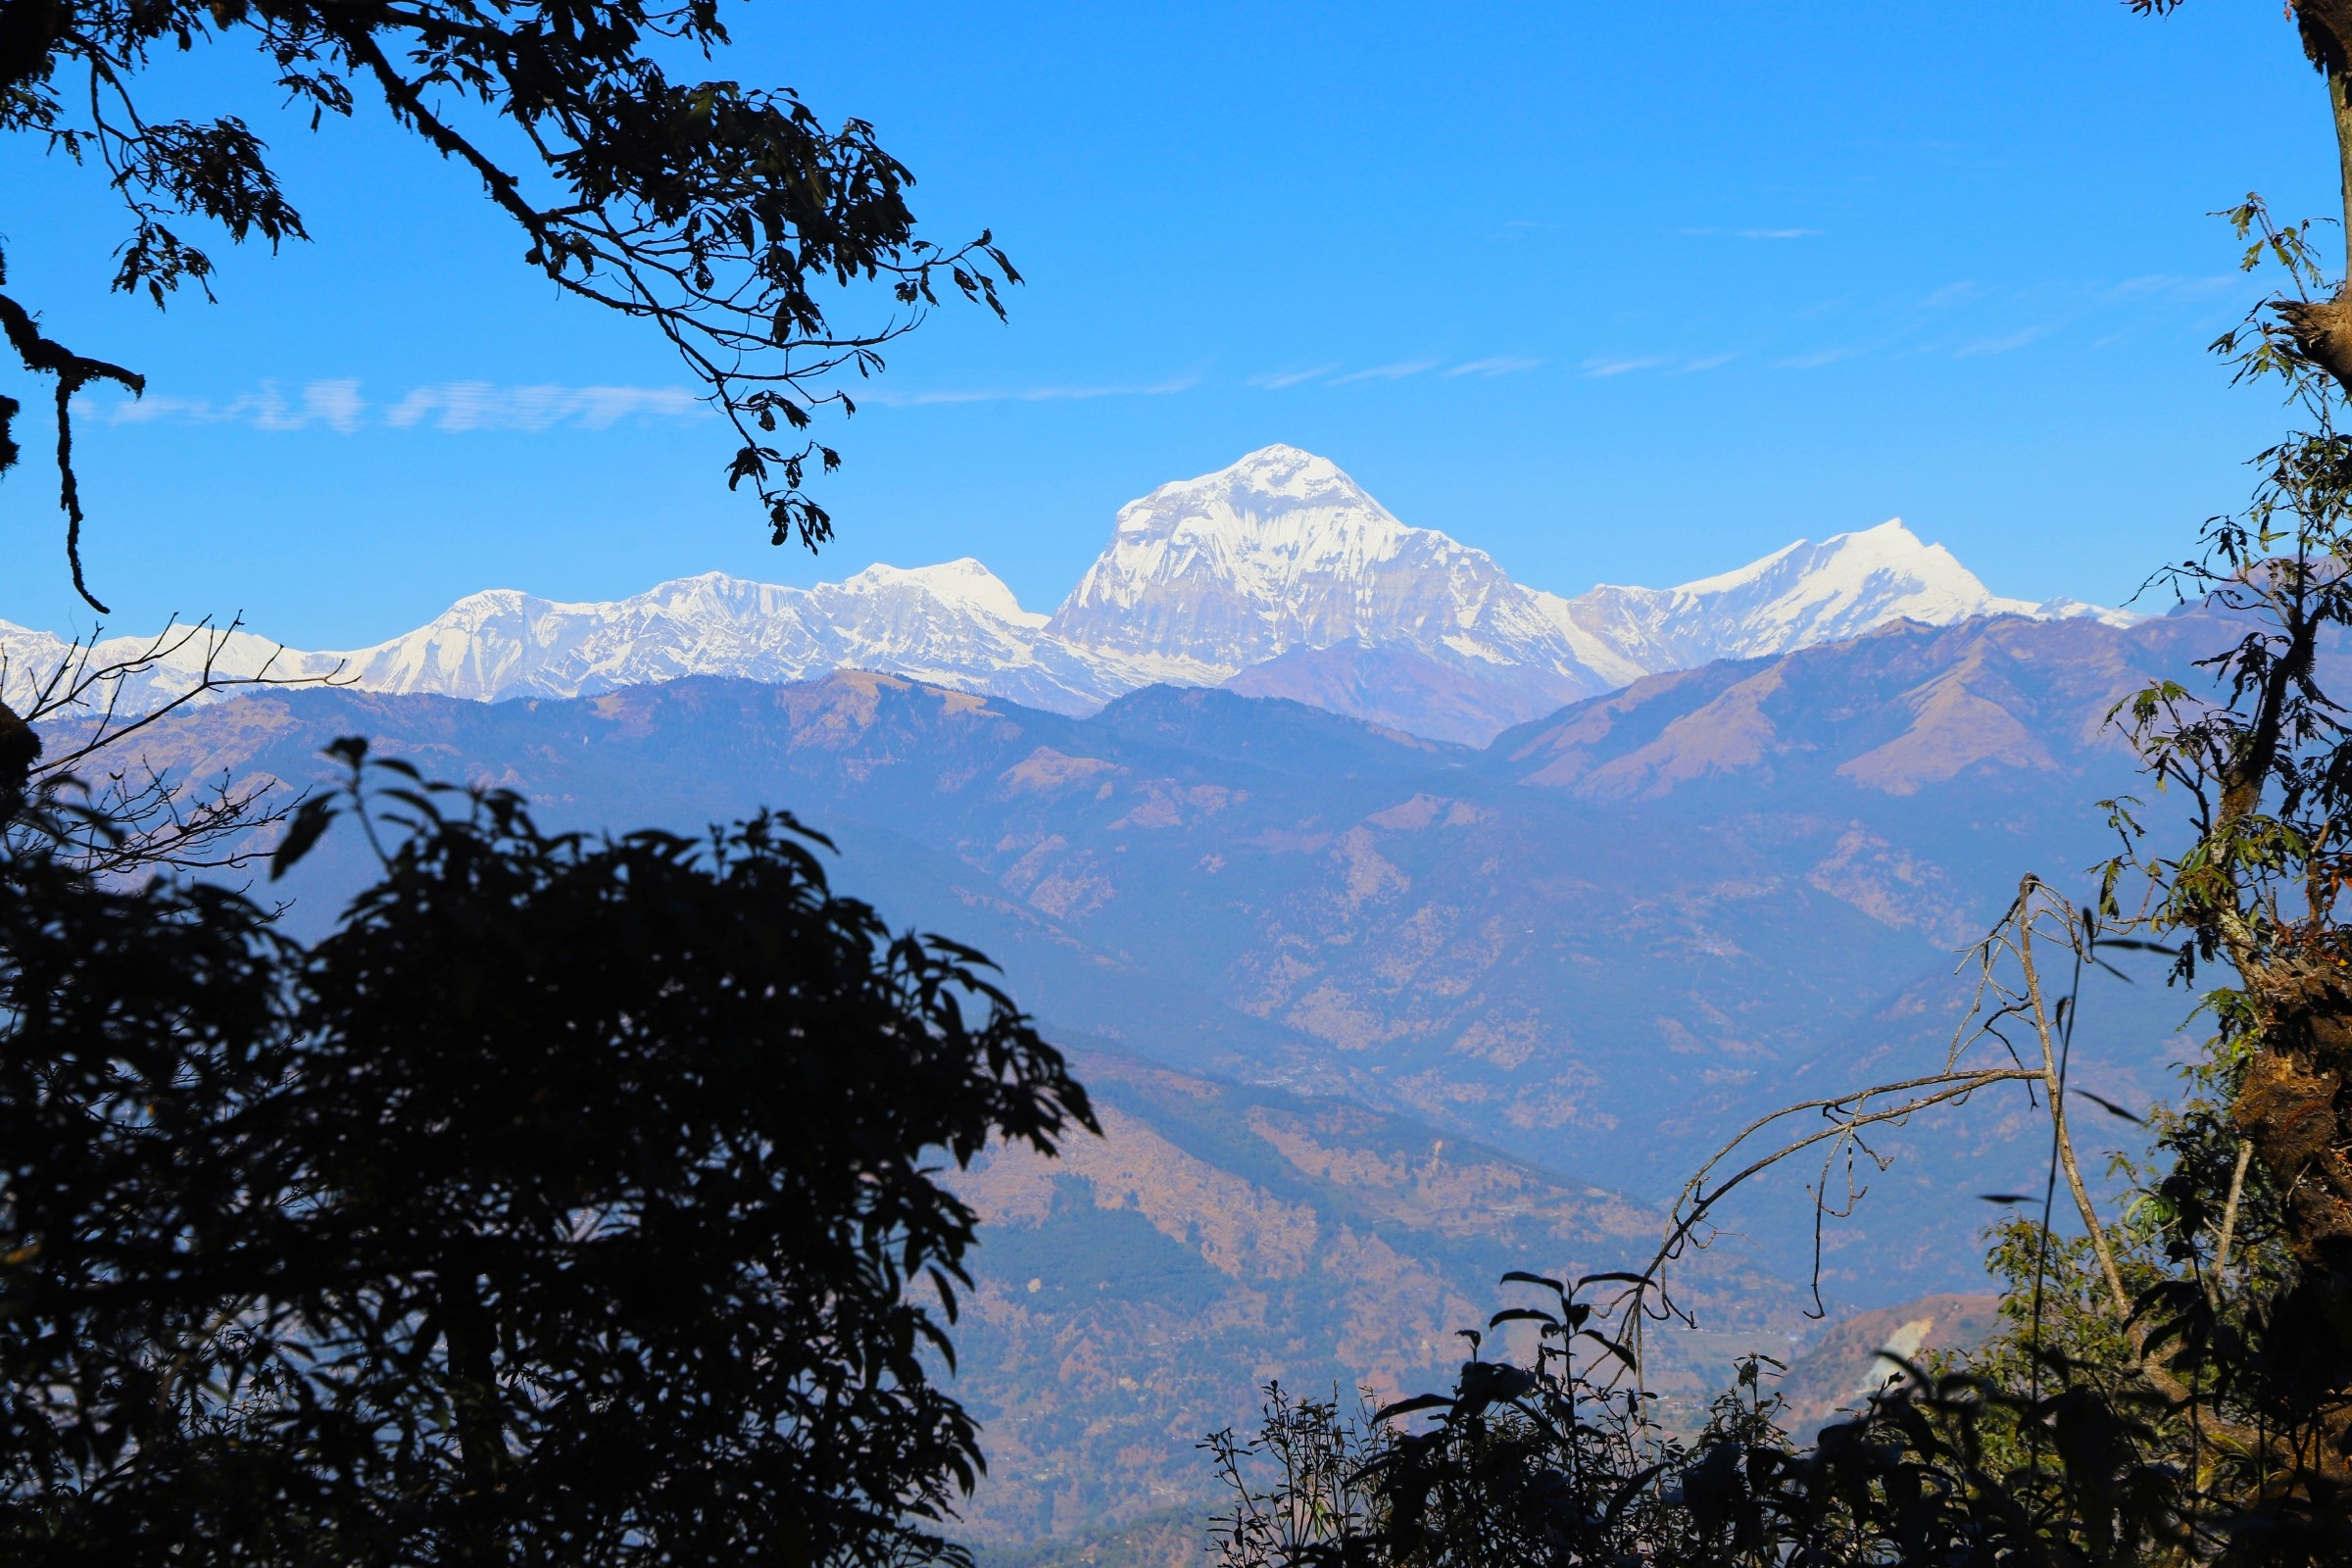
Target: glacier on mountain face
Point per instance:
(1267, 574)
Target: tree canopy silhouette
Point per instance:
(571, 1203)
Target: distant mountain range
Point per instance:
(1377, 1016)
(1278, 575)
(1652, 910)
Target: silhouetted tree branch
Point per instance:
(731, 219)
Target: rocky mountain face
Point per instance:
(1279, 575)
(1853, 1360)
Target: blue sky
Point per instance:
(1617, 293)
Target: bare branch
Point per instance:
(47, 357)
(131, 816)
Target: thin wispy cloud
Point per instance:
(336, 403)
(1968, 320)
(451, 406)
(1599, 368)
(2167, 287)
(1816, 359)
(1277, 381)
(1491, 366)
(1498, 365)
(1386, 373)
(1602, 368)
(1027, 394)
(1753, 233)
(1999, 345)
(459, 406)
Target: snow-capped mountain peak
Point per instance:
(955, 623)
(963, 583)
(1266, 526)
(1206, 577)
(1278, 473)
(1803, 594)
(1846, 584)
(1858, 569)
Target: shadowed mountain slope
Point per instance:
(1398, 689)
(2004, 704)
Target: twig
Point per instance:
(2237, 1186)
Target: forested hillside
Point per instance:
(1643, 914)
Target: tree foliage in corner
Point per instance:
(572, 1202)
(728, 218)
